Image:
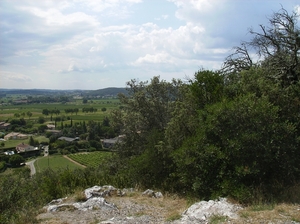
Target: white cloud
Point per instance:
(200, 5)
(15, 77)
(108, 42)
(190, 10)
(110, 8)
(158, 58)
(164, 17)
(54, 17)
(297, 10)
(64, 5)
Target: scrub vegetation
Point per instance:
(233, 133)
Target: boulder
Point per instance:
(93, 203)
(98, 191)
(151, 193)
(201, 212)
(95, 200)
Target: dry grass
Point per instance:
(79, 195)
(170, 208)
(279, 213)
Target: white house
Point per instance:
(24, 148)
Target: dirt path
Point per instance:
(73, 161)
(32, 167)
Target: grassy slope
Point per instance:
(14, 143)
(54, 162)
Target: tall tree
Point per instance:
(205, 88)
(147, 107)
(45, 112)
(29, 114)
(277, 47)
(31, 141)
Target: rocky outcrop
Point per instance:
(127, 210)
(151, 193)
(202, 211)
(95, 199)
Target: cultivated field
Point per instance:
(54, 162)
(91, 159)
(9, 111)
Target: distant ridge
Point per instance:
(110, 91)
(34, 91)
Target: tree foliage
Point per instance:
(16, 160)
(277, 47)
(147, 107)
(239, 143)
(233, 132)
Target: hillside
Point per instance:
(111, 91)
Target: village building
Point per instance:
(51, 126)
(15, 135)
(67, 139)
(24, 148)
(109, 143)
(4, 126)
(21, 101)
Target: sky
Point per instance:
(95, 44)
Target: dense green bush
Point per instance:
(2, 166)
(16, 159)
(239, 139)
(4, 157)
(239, 146)
(22, 195)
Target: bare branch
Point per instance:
(277, 46)
(238, 61)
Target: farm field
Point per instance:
(90, 159)
(8, 111)
(54, 162)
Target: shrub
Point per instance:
(15, 160)
(41, 120)
(240, 146)
(2, 166)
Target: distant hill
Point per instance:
(111, 91)
(38, 91)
